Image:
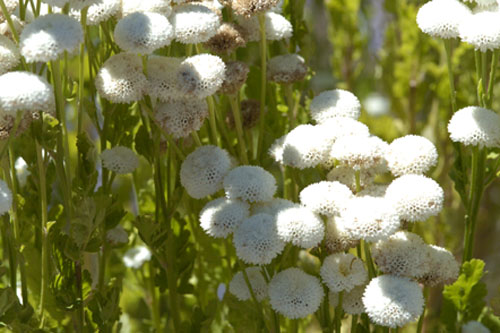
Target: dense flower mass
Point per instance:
(475, 126)
(442, 18)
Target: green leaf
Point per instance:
(144, 144)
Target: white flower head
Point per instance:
(121, 79)
(180, 117)
(335, 103)
(203, 170)
(80, 4)
(239, 288)
(415, 197)
(442, 18)
(5, 197)
(339, 127)
(360, 152)
(327, 198)
(120, 160)
(306, 146)
(273, 207)
(135, 257)
(250, 8)
(377, 104)
(347, 176)
(98, 12)
(201, 75)
(9, 54)
(300, 226)
(235, 76)
(483, 3)
(276, 149)
(256, 240)
(250, 183)
(10, 5)
(22, 171)
(194, 23)
(117, 236)
(143, 32)
(343, 272)
(474, 327)
(277, 27)
(49, 36)
(481, 30)
(411, 154)
(475, 126)
(155, 6)
(221, 217)
(393, 301)
(162, 77)
(352, 302)
(295, 294)
(442, 267)
(337, 239)
(287, 68)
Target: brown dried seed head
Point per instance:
(286, 68)
(236, 76)
(251, 7)
(250, 112)
(228, 38)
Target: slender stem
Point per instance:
(494, 64)
(239, 128)
(339, 313)
(154, 299)
(477, 57)
(252, 294)
(6, 14)
(354, 324)
(357, 176)
(81, 71)
(291, 107)
(453, 94)
(263, 81)
(212, 121)
(420, 324)
(368, 257)
(196, 138)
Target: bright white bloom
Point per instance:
(305, 146)
(180, 117)
(300, 226)
(80, 4)
(360, 152)
(239, 288)
(162, 77)
(56, 3)
(442, 18)
(370, 218)
(483, 3)
(443, 267)
(352, 303)
(347, 176)
(121, 79)
(286, 68)
(11, 6)
(339, 127)
(411, 154)
(9, 54)
(135, 257)
(474, 327)
(201, 75)
(156, 6)
(295, 294)
(22, 171)
(221, 217)
(203, 170)
(250, 183)
(273, 207)
(256, 240)
(393, 301)
(277, 27)
(335, 103)
(249, 8)
(326, 198)
(337, 239)
(5, 197)
(377, 104)
(194, 23)
(117, 236)
(475, 126)
(415, 197)
(24, 91)
(49, 36)
(98, 12)
(342, 272)
(276, 149)
(143, 32)
(481, 30)
(120, 160)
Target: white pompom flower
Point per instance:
(201, 75)
(49, 36)
(287, 68)
(239, 288)
(339, 127)
(360, 152)
(155, 6)
(335, 103)
(277, 27)
(483, 3)
(326, 198)
(143, 33)
(194, 23)
(474, 327)
(120, 160)
(256, 240)
(250, 183)
(415, 197)
(203, 170)
(221, 217)
(306, 146)
(442, 267)
(343, 272)
(5, 197)
(442, 18)
(136, 257)
(411, 154)
(481, 30)
(300, 226)
(337, 239)
(181, 117)
(9, 55)
(352, 303)
(162, 77)
(276, 149)
(295, 294)
(98, 12)
(393, 301)
(475, 126)
(10, 5)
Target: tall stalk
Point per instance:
(263, 82)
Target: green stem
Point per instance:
(291, 104)
(494, 64)
(212, 121)
(339, 313)
(453, 94)
(196, 138)
(154, 299)
(6, 14)
(354, 324)
(239, 128)
(81, 71)
(357, 176)
(252, 294)
(263, 82)
(368, 257)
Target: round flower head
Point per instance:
(56, 3)
(239, 288)
(474, 327)
(250, 183)
(256, 240)
(377, 104)
(402, 254)
(411, 154)
(117, 236)
(143, 32)
(370, 218)
(22, 171)
(49, 36)
(201, 75)
(5, 197)
(305, 146)
(393, 301)
(481, 30)
(181, 117)
(235, 76)
(347, 176)
(80, 4)
(273, 207)
(251, 7)
(221, 217)
(277, 27)
(286, 68)
(7, 124)
(442, 267)
(342, 126)
(24, 91)
(300, 226)
(135, 257)
(442, 18)
(277, 148)
(5, 29)
(156, 6)
(120, 79)
(337, 239)
(9, 55)
(98, 12)
(415, 197)
(326, 198)
(194, 23)
(295, 294)
(342, 272)
(203, 170)
(360, 152)
(483, 3)
(335, 103)
(352, 303)
(120, 160)
(228, 38)
(162, 77)
(475, 126)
